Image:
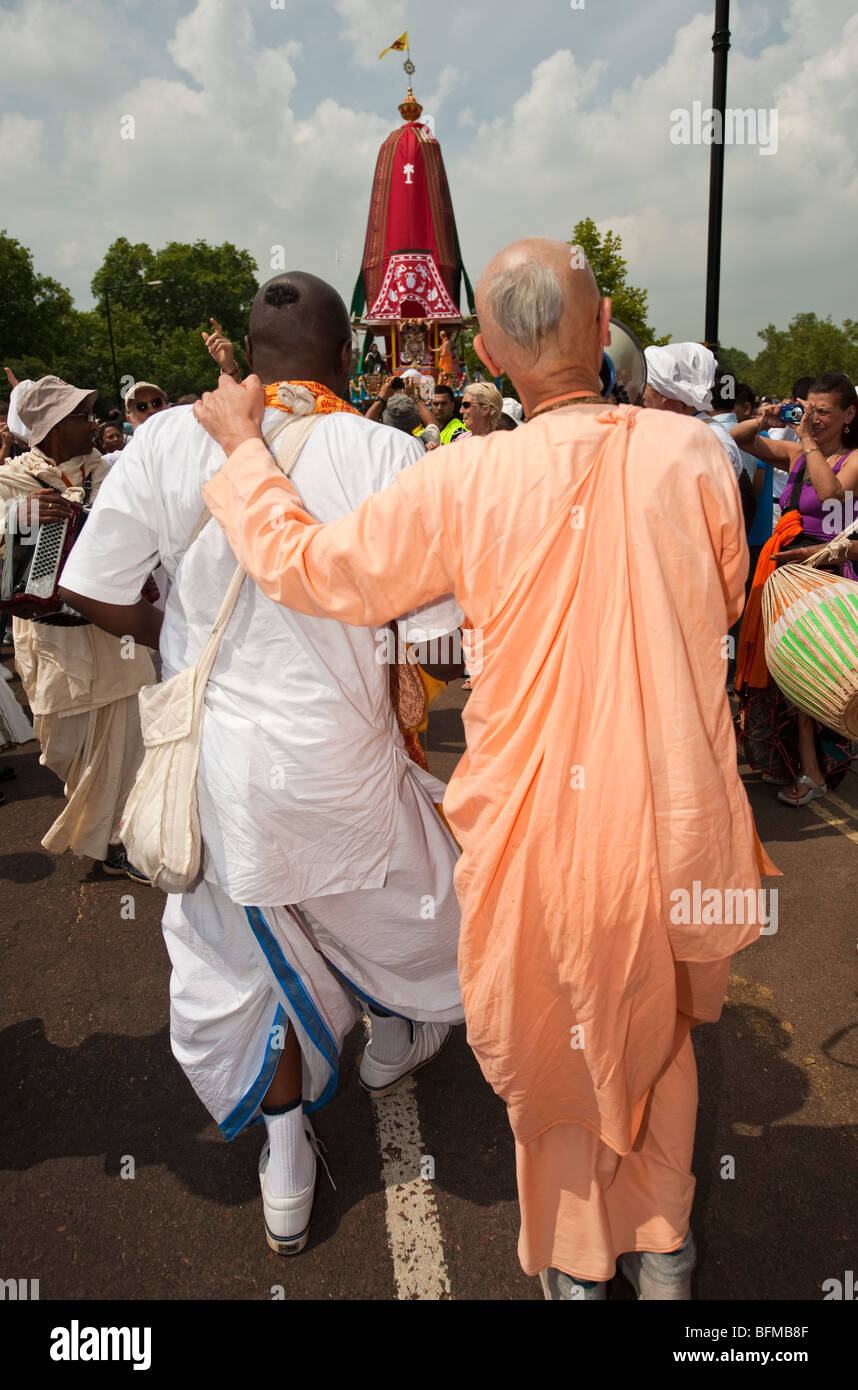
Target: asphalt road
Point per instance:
(91, 1093)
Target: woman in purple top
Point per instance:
(823, 475)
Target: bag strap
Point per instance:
(204, 519)
(285, 457)
(206, 516)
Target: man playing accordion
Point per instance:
(81, 683)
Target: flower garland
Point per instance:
(306, 398)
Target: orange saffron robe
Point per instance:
(600, 555)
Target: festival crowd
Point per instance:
(305, 562)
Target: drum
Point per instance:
(811, 626)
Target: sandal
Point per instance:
(803, 791)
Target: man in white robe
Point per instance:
(81, 684)
(306, 795)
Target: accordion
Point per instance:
(31, 564)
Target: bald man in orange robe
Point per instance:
(600, 555)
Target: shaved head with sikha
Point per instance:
(542, 320)
(299, 331)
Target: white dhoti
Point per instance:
(15, 727)
(240, 973)
(96, 754)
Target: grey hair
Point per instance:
(401, 413)
(526, 302)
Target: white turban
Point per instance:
(682, 372)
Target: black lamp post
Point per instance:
(106, 293)
(720, 46)
(112, 347)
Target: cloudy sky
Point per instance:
(259, 122)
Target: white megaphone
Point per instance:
(623, 367)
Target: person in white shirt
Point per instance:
(306, 795)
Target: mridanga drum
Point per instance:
(811, 625)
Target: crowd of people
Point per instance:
(590, 557)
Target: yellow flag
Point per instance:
(400, 44)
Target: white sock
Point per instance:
(391, 1037)
(291, 1165)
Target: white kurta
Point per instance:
(306, 794)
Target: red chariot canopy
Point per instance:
(410, 218)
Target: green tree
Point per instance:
(161, 302)
(157, 328)
(809, 347)
(36, 313)
(610, 269)
(87, 361)
(737, 363)
(193, 282)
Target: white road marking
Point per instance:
(413, 1228)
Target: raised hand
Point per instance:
(221, 348)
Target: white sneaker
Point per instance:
(380, 1077)
(661, 1277)
(287, 1219)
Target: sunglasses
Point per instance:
(143, 406)
(81, 414)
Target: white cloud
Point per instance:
(56, 45)
(788, 227)
(219, 157)
(365, 20)
(449, 80)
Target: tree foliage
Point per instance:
(157, 328)
(35, 311)
(610, 269)
(179, 287)
(808, 347)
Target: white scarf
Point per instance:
(37, 465)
